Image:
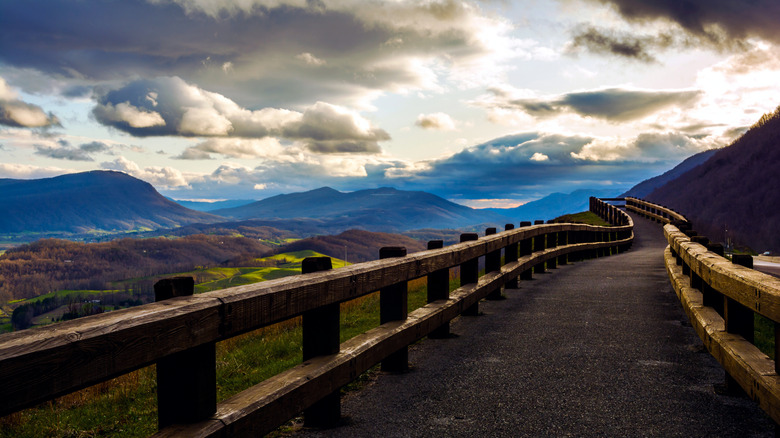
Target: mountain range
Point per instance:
(384, 209)
(88, 202)
(96, 205)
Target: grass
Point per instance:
(126, 406)
(585, 217)
(764, 335)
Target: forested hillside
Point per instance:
(735, 193)
(359, 245)
(52, 264)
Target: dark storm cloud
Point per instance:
(77, 91)
(624, 45)
(244, 50)
(721, 23)
(613, 104)
(506, 167)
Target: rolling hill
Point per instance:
(86, 202)
(383, 209)
(735, 193)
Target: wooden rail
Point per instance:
(40, 364)
(720, 297)
(652, 211)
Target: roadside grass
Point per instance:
(585, 217)
(764, 335)
(126, 406)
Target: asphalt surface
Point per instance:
(597, 348)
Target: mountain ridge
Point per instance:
(733, 195)
(385, 209)
(89, 201)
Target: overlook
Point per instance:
(389, 218)
(577, 351)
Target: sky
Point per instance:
(485, 103)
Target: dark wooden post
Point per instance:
(563, 240)
(493, 264)
(552, 242)
(186, 381)
(526, 248)
(439, 289)
(540, 243)
(739, 320)
(469, 273)
(510, 255)
(321, 338)
(710, 297)
(393, 306)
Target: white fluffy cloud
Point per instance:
(160, 177)
(124, 112)
(14, 112)
(26, 171)
(437, 121)
(170, 106)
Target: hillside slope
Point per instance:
(359, 245)
(556, 204)
(89, 201)
(735, 190)
(384, 209)
(647, 186)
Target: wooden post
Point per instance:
(526, 248)
(439, 289)
(492, 264)
(393, 306)
(563, 240)
(739, 320)
(469, 273)
(552, 242)
(510, 255)
(539, 245)
(186, 381)
(321, 338)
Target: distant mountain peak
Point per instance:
(99, 200)
(383, 208)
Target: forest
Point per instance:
(52, 264)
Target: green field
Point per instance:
(126, 406)
(208, 279)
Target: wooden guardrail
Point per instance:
(656, 212)
(720, 297)
(179, 332)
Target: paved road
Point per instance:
(597, 348)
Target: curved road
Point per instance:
(596, 348)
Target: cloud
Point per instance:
(531, 165)
(719, 23)
(620, 44)
(26, 171)
(161, 177)
(437, 121)
(125, 114)
(611, 104)
(16, 113)
(204, 41)
(645, 148)
(64, 151)
(171, 107)
(234, 148)
(310, 59)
